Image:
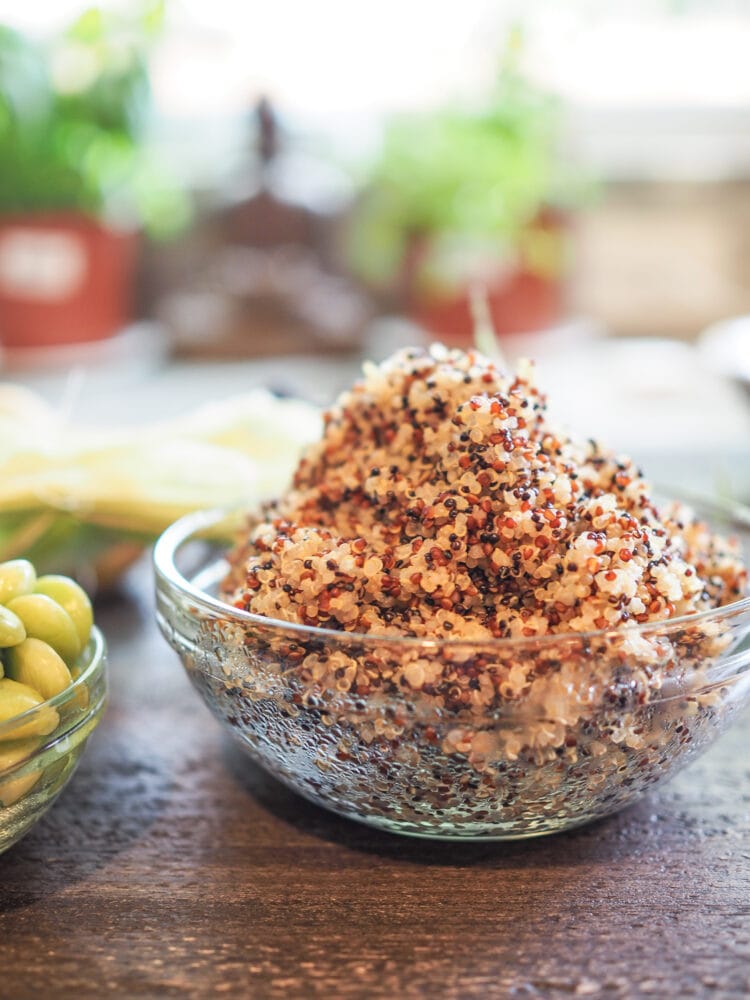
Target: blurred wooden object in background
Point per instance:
(663, 259)
(262, 276)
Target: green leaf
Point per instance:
(483, 171)
(75, 140)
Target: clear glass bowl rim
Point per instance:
(191, 525)
(97, 657)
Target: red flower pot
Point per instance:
(520, 302)
(64, 279)
(524, 295)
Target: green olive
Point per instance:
(44, 619)
(73, 598)
(12, 753)
(15, 751)
(35, 663)
(16, 698)
(17, 577)
(12, 630)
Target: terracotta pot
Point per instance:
(527, 296)
(64, 279)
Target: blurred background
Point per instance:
(201, 199)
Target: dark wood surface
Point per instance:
(172, 866)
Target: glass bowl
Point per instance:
(495, 740)
(39, 749)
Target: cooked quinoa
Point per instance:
(443, 505)
(442, 501)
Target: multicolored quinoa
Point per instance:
(441, 501)
(442, 506)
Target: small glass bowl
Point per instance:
(496, 740)
(39, 749)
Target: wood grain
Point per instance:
(172, 866)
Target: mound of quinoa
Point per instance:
(442, 502)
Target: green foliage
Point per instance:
(482, 172)
(73, 118)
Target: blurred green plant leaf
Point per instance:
(74, 118)
(482, 171)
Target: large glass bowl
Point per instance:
(572, 727)
(39, 749)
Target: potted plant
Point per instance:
(76, 177)
(464, 197)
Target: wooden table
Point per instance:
(171, 866)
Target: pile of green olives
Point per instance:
(45, 624)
